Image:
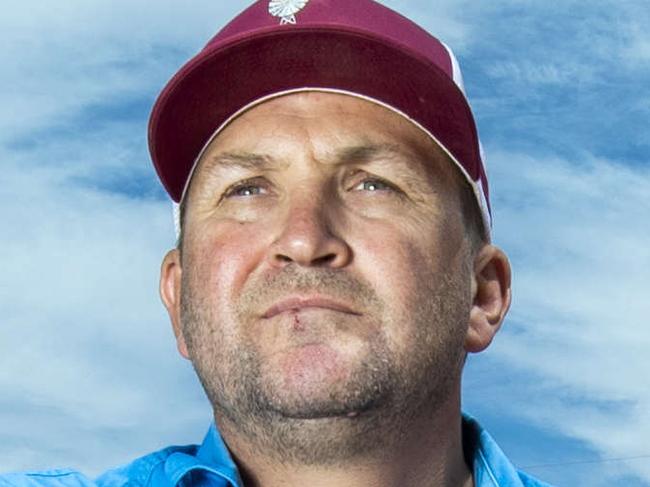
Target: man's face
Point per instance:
(325, 271)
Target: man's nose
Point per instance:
(307, 238)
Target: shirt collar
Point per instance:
(211, 465)
(491, 467)
(213, 462)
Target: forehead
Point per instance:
(325, 125)
(325, 114)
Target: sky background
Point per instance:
(89, 374)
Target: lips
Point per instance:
(299, 303)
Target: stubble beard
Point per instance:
(369, 414)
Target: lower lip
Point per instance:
(300, 317)
(304, 309)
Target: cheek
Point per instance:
(397, 265)
(221, 259)
(407, 268)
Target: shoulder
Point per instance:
(53, 478)
(138, 473)
(141, 472)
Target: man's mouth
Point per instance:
(298, 303)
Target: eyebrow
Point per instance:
(410, 165)
(241, 160)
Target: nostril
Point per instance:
(324, 259)
(283, 258)
(309, 246)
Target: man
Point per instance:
(334, 264)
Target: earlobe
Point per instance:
(491, 295)
(170, 293)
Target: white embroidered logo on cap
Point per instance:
(286, 9)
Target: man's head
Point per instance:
(328, 290)
(335, 265)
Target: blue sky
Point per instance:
(88, 369)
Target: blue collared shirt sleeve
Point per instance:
(207, 465)
(48, 478)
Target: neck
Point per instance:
(428, 453)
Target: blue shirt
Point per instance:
(210, 465)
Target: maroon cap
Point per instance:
(280, 46)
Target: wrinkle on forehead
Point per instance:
(356, 153)
(241, 160)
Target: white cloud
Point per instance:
(579, 231)
(637, 49)
(86, 352)
(528, 72)
(444, 21)
(633, 38)
(65, 55)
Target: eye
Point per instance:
(248, 190)
(374, 185)
(245, 189)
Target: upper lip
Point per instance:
(301, 302)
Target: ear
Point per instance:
(170, 293)
(491, 295)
